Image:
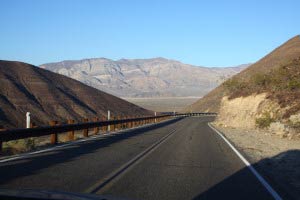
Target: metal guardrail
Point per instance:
(54, 130)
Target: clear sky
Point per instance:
(207, 33)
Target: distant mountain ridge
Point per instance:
(154, 77)
(50, 96)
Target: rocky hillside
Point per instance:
(50, 96)
(144, 77)
(266, 94)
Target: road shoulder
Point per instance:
(278, 159)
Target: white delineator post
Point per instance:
(108, 118)
(28, 120)
(155, 116)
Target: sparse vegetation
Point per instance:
(295, 125)
(18, 146)
(284, 78)
(264, 121)
(277, 75)
(282, 84)
(261, 80)
(234, 85)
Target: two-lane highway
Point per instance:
(183, 159)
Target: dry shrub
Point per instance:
(264, 121)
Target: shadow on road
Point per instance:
(29, 166)
(281, 172)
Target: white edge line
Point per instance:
(252, 169)
(90, 138)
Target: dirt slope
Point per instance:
(50, 96)
(282, 63)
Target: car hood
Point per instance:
(23, 194)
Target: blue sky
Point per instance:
(207, 33)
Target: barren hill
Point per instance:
(156, 77)
(267, 91)
(50, 96)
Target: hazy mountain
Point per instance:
(50, 96)
(144, 77)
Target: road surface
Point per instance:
(180, 159)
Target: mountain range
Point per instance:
(156, 77)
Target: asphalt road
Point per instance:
(182, 159)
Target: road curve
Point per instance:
(183, 159)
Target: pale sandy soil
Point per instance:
(278, 159)
(164, 104)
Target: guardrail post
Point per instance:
(71, 133)
(53, 136)
(86, 130)
(135, 123)
(28, 120)
(130, 123)
(32, 125)
(127, 123)
(96, 129)
(123, 125)
(113, 126)
(103, 128)
(108, 118)
(119, 125)
(116, 125)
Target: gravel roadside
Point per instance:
(278, 159)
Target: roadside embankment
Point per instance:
(276, 158)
